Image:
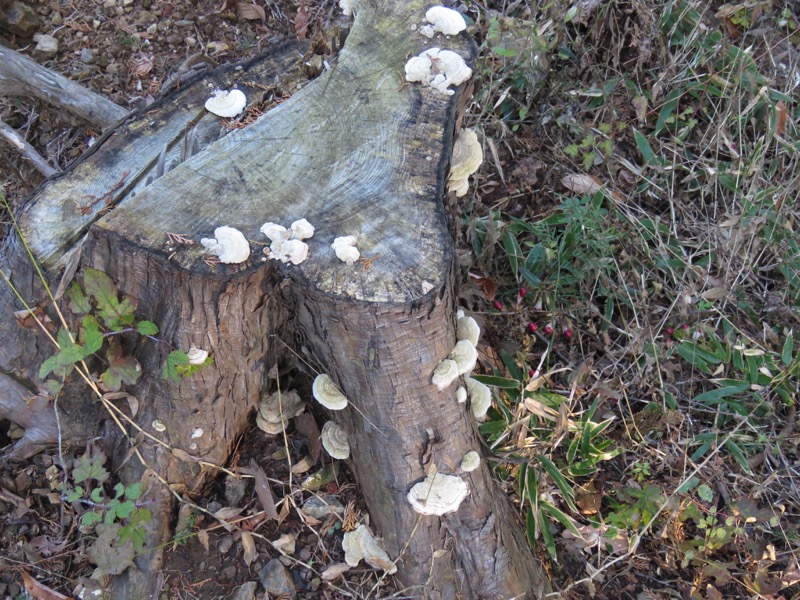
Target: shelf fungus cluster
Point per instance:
(442, 20)
(287, 245)
(345, 249)
(361, 544)
(226, 103)
(471, 461)
(334, 440)
(438, 69)
(438, 494)
(327, 394)
(463, 357)
(228, 244)
(467, 157)
(275, 411)
(480, 398)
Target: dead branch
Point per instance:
(13, 137)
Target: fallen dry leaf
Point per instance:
(39, 591)
(263, 490)
(249, 546)
(251, 12)
(580, 183)
(334, 571)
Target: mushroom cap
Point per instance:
(345, 249)
(469, 330)
(302, 229)
(465, 355)
(229, 245)
(467, 158)
(293, 251)
(360, 544)
(348, 6)
(446, 20)
(461, 394)
(438, 495)
(327, 394)
(276, 409)
(196, 356)
(471, 461)
(275, 232)
(334, 440)
(445, 373)
(418, 68)
(480, 397)
(446, 68)
(226, 103)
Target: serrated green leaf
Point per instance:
(124, 509)
(74, 495)
(97, 495)
(90, 467)
(90, 518)
(78, 301)
(48, 366)
(121, 369)
(133, 491)
(147, 328)
(91, 336)
(688, 485)
(119, 490)
(116, 313)
(174, 360)
(705, 493)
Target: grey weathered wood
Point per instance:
(22, 76)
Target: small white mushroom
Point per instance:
(427, 30)
(468, 329)
(196, 356)
(360, 544)
(275, 232)
(293, 251)
(345, 249)
(445, 373)
(348, 6)
(228, 244)
(438, 495)
(197, 432)
(467, 158)
(465, 356)
(480, 398)
(334, 440)
(470, 462)
(438, 69)
(276, 409)
(158, 425)
(418, 68)
(446, 20)
(327, 394)
(461, 394)
(226, 104)
(302, 229)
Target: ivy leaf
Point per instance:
(116, 314)
(121, 369)
(147, 328)
(78, 301)
(90, 467)
(91, 336)
(175, 359)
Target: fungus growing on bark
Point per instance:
(461, 394)
(480, 398)
(467, 157)
(345, 248)
(348, 6)
(445, 373)
(275, 411)
(196, 356)
(226, 103)
(159, 426)
(301, 229)
(197, 432)
(275, 232)
(443, 20)
(468, 329)
(334, 440)
(286, 244)
(470, 462)
(228, 244)
(360, 544)
(438, 494)
(438, 69)
(465, 356)
(293, 251)
(327, 394)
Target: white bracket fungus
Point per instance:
(445, 373)
(348, 6)
(227, 104)
(467, 157)
(275, 411)
(469, 330)
(465, 356)
(196, 356)
(228, 244)
(444, 20)
(334, 440)
(438, 69)
(345, 248)
(438, 495)
(197, 432)
(327, 394)
(480, 398)
(159, 426)
(470, 462)
(461, 394)
(360, 544)
(286, 244)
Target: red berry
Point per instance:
(685, 326)
(498, 305)
(523, 292)
(531, 372)
(548, 329)
(567, 332)
(532, 327)
(670, 330)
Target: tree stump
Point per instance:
(356, 153)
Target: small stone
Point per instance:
(246, 591)
(152, 29)
(144, 16)
(57, 19)
(225, 544)
(277, 580)
(88, 56)
(112, 68)
(19, 19)
(184, 23)
(46, 45)
(229, 572)
(235, 488)
(173, 39)
(320, 507)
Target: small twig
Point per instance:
(13, 137)
(106, 198)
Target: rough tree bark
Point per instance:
(355, 153)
